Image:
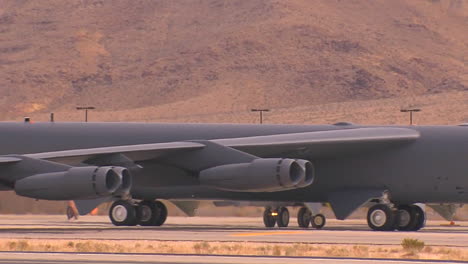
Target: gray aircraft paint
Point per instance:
(432, 168)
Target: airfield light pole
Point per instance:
(261, 113)
(410, 111)
(86, 108)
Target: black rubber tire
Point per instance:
(162, 209)
(268, 219)
(380, 217)
(318, 221)
(304, 216)
(419, 217)
(147, 213)
(405, 218)
(283, 217)
(123, 213)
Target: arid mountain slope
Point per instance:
(311, 61)
(226, 56)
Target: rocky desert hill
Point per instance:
(212, 60)
(310, 61)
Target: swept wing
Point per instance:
(310, 144)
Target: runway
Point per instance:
(212, 229)
(55, 258)
(353, 232)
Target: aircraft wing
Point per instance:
(309, 144)
(322, 143)
(9, 160)
(133, 152)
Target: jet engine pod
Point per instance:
(76, 183)
(126, 181)
(309, 171)
(260, 175)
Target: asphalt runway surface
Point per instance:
(355, 232)
(350, 232)
(67, 258)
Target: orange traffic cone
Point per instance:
(95, 211)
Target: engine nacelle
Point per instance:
(309, 171)
(76, 183)
(126, 185)
(260, 175)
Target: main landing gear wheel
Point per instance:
(162, 213)
(269, 217)
(304, 216)
(420, 217)
(318, 221)
(151, 213)
(404, 222)
(123, 213)
(283, 217)
(410, 218)
(381, 217)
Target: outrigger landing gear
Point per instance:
(305, 218)
(145, 213)
(279, 216)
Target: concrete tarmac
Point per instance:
(225, 229)
(80, 258)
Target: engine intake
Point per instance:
(309, 172)
(76, 183)
(124, 188)
(260, 175)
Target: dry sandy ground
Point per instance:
(43, 228)
(235, 248)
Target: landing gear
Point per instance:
(318, 221)
(305, 218)
(410, 218)
(162, 214)
(382, 217)
(283, 217)
(279, 216)
(151, 213)
(123, 213)
(146, 213)
(269, 217)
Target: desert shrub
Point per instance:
(412, 245)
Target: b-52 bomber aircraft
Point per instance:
(344, 165)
